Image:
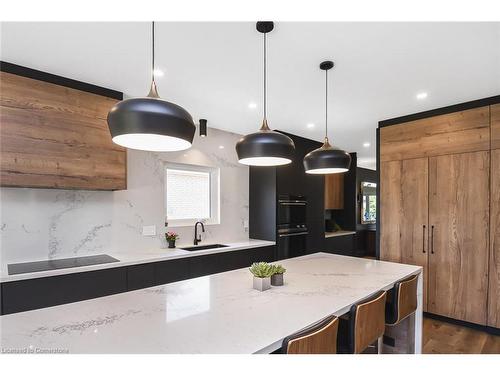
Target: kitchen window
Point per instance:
(191, 194)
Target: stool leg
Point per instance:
(380, 345)
(418, 317)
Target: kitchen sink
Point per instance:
(203, 247)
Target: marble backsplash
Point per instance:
(51, 223)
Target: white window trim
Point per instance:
(214, 194)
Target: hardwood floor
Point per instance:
(445, 338)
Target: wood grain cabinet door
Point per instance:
(452, 133)
(459, 235)
(494, 272)
(414, 219)
(391, 211)
(53, 136)
(334, 191)
(495, 126)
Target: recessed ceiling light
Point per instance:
(221, 147)
(252, 105)
(366, 144)
(310, 125)
(421, 95)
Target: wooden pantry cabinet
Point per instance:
(494, 265)
(440, 208)
(458, 236)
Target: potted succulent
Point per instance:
(171, 237)
(277, 276)
(262, 272)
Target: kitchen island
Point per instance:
(219, 313)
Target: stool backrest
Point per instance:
(403, 300)
(320, 338)
(367, 322)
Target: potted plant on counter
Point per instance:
(277, 276)
(262, 272)
(171, 237)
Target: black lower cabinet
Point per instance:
(140, 276)
(24, 295)
(231, 260)
(316, 236)
(210, 264)
(342, 245)
(260, 254)
(33, 294)
(170, 271)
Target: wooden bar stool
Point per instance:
(363, 325)
(320, 338)
(401, 301)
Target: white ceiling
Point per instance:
(214, 70)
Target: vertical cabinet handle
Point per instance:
(432, 239)
(423, 238)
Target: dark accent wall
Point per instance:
(267, 182)
(262, 203)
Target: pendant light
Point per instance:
(151, 123)
(266, 147)
(327, 159)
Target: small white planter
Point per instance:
(277, 279)
(261, 283)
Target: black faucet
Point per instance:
(196, 238)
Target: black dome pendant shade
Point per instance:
(151, 123)
(327, 159)
(265, 147)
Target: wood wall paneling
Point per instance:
(57, 137)
(390, 199)
(452, 133)
(495, 126)
(334, 191)
(494, 270)
(414, 219)
(459, 243)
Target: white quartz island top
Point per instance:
(136, 257)
(219, 313)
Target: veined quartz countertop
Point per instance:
(135, 257)
(219, 313)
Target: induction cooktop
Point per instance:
(48, 265)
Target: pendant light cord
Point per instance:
(153, 51)
(265, 79)
(326, 104)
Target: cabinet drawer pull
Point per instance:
(423, 238)
(432, 239)
(294, 234)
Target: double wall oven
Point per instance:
(292, 229)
